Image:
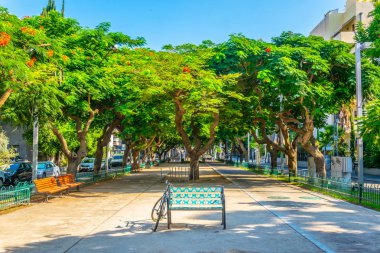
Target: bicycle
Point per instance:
(159, 210)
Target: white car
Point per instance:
(47, 169)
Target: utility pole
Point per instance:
(281, 141)
(248, 148)
(35, 146)
(359, 104)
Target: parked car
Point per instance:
(18, 172)
(2, 177)
(17, 159)
(116, 161)
(47, 169)
(87, 165)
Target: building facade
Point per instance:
(17, 141)
(340, 25)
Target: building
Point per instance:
(340, 25)
(17, 141)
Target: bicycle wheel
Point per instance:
(159, 205)
(159, 216)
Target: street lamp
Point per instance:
(359, 104)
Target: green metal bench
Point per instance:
(196, 198)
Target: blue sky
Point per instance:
(175, 22)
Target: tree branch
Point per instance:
(62, 140)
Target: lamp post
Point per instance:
(248, 147)
(281, 141)
(359, 106)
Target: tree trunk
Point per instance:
(143, 160)
(225, 150)
(72, 167)
(242, 150)
(273, 156)
(160, 156)
(98, 158)
(103, 142)
(292, 161)
(126, 156)
(135, 165)
(319, 159)
(5, 96)
(57, 158)
(194, 167)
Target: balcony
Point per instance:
(348, 37)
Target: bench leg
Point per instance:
(224, 218)
(168, 212)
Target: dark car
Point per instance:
(18, 172)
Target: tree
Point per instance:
(19, 46)
(370, 123)
(198, 95)
(5, 153)
(293, 84)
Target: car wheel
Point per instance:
(1, 182)
(16, 181)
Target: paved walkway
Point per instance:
(263, 215)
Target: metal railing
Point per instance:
(177, 174)
(15, 195)
(368, 193)
(89, 177)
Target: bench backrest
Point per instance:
(66, 179)
(196, 196)
(45, 183)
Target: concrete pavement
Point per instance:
(262, 216)
(331, 224)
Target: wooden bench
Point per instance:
(196, 198)
(68, 180)
(49, 186)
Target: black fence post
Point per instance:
(360, 193)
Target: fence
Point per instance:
(14, 196)
(177, 174)
(368, 193)
(89, 177)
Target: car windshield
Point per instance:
(12, 168)
(118, 157)
(41, 166)
(88, 160)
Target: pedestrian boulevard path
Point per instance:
(263, 215)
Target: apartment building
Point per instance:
(340, 25)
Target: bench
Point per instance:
(68, 180)
(196, 198)
(48, 186)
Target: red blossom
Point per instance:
(268, 50)
(50, 53)
(186, 70)
(4, 39)
(31, 62)
(27, 30)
